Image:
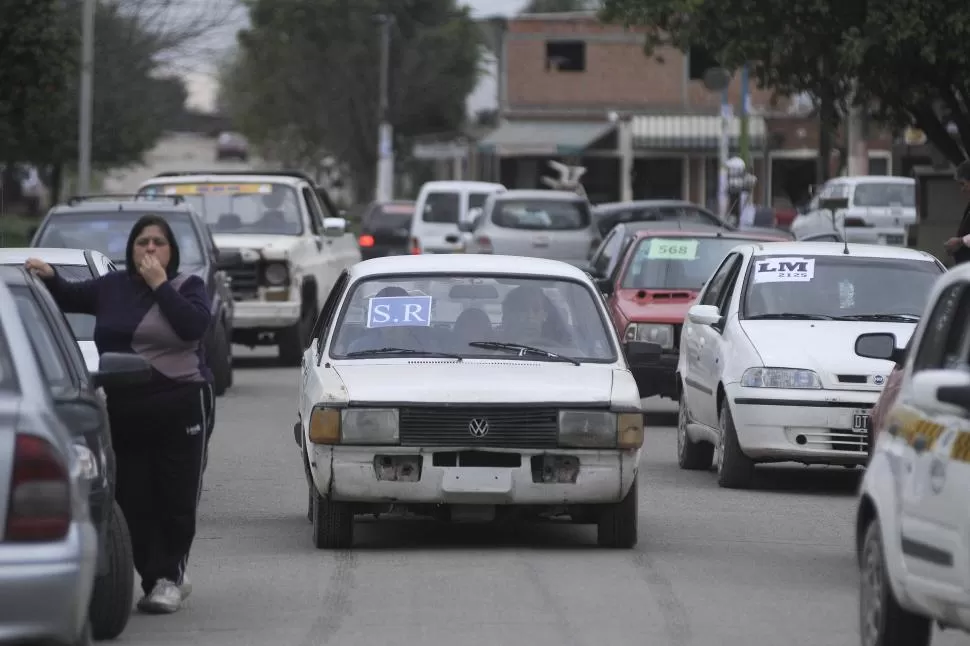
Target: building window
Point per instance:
(566, 56)
(878, 166)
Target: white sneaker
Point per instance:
(185, 587)
(165, 598)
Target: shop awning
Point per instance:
(544, 138)
(692, 132)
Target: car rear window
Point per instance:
(544, 215)
(477, 200)
(390, 216)
(442, 208)
(885, 195)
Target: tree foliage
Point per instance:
(304, 83)
(905, 60)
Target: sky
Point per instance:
(203, 88)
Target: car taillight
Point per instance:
(484, 244)
(39, 509)
(366, 240)
(415, 247)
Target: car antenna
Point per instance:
(845, 245)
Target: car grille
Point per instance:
(245, 281)
(836, 439)
(535, 428)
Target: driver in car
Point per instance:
(528, 317)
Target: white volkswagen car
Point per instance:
(912, 525)
(767, 367)
(469, 387)
(71, 264)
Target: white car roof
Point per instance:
(467, 264)
(796, 248)
(873, 179)
(460, 185)
(224, 179)
(52, 255)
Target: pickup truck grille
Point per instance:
(245, 281)
(534, 428)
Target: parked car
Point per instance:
(71, 264)
(103, 222)
(385, 229)
(610, 214)
(439, 209)
(75, 399)
(232, 145)
(287, 243)
(655, 281)
(549, 224)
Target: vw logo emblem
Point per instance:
(478, 427)
(878, 379)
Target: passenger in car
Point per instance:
(472, 324)
(528, 316)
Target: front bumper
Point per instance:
(262, 315)
(656, 377)
(350, 474)
(798, 425)
(46, 588)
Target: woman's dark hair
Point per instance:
(144, 222)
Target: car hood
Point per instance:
(265, 243)
(655, 305)
(827, 347)
(446, 381)
(90, 353)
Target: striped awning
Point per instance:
(693, 132)
(544, 138)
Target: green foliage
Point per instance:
(909, 59)
(305, 81)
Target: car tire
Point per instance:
(113, 594)
(333, 524)
(735, 470)
(85, 638)
(221, 361)
(882, 621)
(691, 456)
(618, 522)
(292, 341)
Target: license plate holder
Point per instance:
(861, 420)
(476, 481)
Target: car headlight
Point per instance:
(276, 274)
(87, 462)
(354, 426)
(659, 333)
(780, 378)
(584, 429)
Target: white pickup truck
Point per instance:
(292, 243)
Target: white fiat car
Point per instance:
(767, 367)
(912, 525)
(469, 387)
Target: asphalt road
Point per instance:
(772, 565)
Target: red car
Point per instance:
(661, 271)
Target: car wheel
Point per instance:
(293, 340)
(735, 470)
(333, 524)
(113, 594)
(84, 639)
(618, 522)
(693, 456)
(882, 621)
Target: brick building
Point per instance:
(565, 79)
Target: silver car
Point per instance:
(48, 544)
(557, 225)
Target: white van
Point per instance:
(439, 208)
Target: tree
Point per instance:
(305, 81)
(559, 6)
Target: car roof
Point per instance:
(671, 226)
(799, 248)
(610, 207)
(457, 185)
(708, 232)
(874, 179)
(52, 255)
(539, 194)
(160, 205)
(227, 177)
(466, 264)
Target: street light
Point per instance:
(86, 103)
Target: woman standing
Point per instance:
(159, 428)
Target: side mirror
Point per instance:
(704, 315)
(466, 226)
(334, 227)
(879, 345)
(605, 285)
(229, 258)
(942, 390)
(119, 369)
(640, 352)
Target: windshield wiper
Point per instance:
(427, 353)
(791, 316)
(522, 350)
(902, 318)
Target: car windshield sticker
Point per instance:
(784, 270)
(218, 189)
(660, 249)
(399, 311)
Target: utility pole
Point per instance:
(86, 106)
(385, 146)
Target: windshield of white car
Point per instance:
(541, 215)
(473, 317)
(675, 262)
(255, 208)
(884, 195)
(843, 287)
(108, 233)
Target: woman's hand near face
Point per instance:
(38, 267)
(152, 271)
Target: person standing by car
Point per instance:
(159, 429)
(959, 246)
